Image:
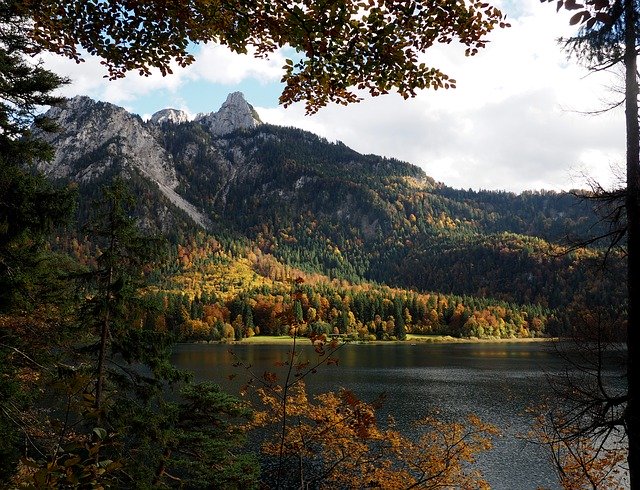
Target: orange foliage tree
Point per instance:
(334, 440)
(582, 462)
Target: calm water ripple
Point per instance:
(496, 381)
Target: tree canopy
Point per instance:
(600, 41)
(608, 36)
(341, 46)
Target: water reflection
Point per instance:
(495, 381)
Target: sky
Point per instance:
(518, 119)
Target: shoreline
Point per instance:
(411, 340)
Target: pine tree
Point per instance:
(609, 37)
(399, 330)
(297, 312)
(140, 429)
(114, 287)
(30, 208)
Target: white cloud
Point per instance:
(214, 64)
(218, 64)
(90, 78)
(510, 124)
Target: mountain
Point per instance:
(324, 208)
(169, 116)
(98, 139)
(234, 114)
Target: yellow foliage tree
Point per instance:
(334, 441)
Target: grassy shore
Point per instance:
(411, 339)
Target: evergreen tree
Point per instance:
(30, 208)
(115, 282)
(609, 37)
(297, 312)
(125, 402)
(248, 317)
(399, 330)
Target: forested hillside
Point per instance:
(391, 250)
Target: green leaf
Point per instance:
(100, 432)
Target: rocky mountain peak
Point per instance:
(96, 137)
(108, 133)
(169, 116)
(65, 113)
(235, 113)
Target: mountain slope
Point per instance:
(323, 207)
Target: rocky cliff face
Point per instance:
(235, 113)
(97, 137)
(169, 116)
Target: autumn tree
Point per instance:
(581, 461)
(608, 37)
(335, 440)
(341, 46)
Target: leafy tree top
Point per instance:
(24, 88)
(600, 41)
(341, 45)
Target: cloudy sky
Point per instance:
(516, 121)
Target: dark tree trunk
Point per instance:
(102, 353)
(106, 320)
(633, 235)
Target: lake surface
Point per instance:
(496, 381)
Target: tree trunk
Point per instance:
(633, 235)
(102, 352)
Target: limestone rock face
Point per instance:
(97, 137)
(169, 116)
(94, 136)
(236, 113)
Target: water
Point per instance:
(496, 381)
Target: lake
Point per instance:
(496, 381)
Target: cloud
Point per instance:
(218, 64)
(214, 64)
(512, 123)
(91, 78)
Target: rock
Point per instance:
(169, 116)
(236, 113)
(94, 137)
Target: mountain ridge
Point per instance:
(321, 206)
